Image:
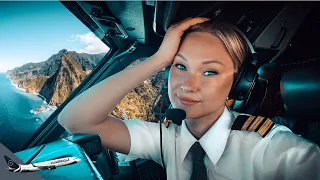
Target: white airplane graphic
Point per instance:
(51, 164)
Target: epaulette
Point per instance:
(259, 124)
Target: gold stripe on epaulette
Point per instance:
(265, 127)
(262, 131)
(256, 123)
(247, 123)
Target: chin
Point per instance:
(191, 112)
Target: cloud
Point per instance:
(93, 44)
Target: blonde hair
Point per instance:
(228, 34)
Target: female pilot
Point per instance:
(204, 64)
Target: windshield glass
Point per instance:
(46, 52)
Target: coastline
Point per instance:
(45, 104)
(15, 85)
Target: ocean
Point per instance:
(17, 120)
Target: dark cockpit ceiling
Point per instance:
(137, 16)
(269, 25)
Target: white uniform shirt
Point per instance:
(236, 155)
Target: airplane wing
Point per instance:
(51, 167)
(46, 167)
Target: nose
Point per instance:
(191, 84)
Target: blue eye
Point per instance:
(210, 73)
(181, 67)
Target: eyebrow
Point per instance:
(204, 62)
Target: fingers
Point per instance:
(178, 23)
(183, 21)
(188, 22)
(191, 22)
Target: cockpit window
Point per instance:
(46, 52)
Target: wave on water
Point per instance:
(43, 108)
(15, 85)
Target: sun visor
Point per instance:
(104, 18)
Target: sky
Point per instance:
(33, 31)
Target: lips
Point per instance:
(187, 101)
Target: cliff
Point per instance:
(56, 77)
(137, 104)
(60, 85)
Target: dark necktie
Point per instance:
(199, 171)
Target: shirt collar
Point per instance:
(213, 141)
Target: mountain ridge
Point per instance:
(41, 77)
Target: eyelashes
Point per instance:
(182, 67)
(210, 73)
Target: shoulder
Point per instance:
(271, 133)
(259, 124)
(273, 140)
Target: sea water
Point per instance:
(17, 120)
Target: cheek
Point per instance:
(176, 78)
(172, 84)
(216, 89)
(175, 82)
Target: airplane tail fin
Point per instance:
(10, 162)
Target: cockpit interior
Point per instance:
(284, 34)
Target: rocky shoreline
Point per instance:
(43, 108)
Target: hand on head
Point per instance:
(172, 38)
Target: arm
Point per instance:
(303, 161)
(92, 106)
(145, 140)
(291, 157)
(88, 112)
